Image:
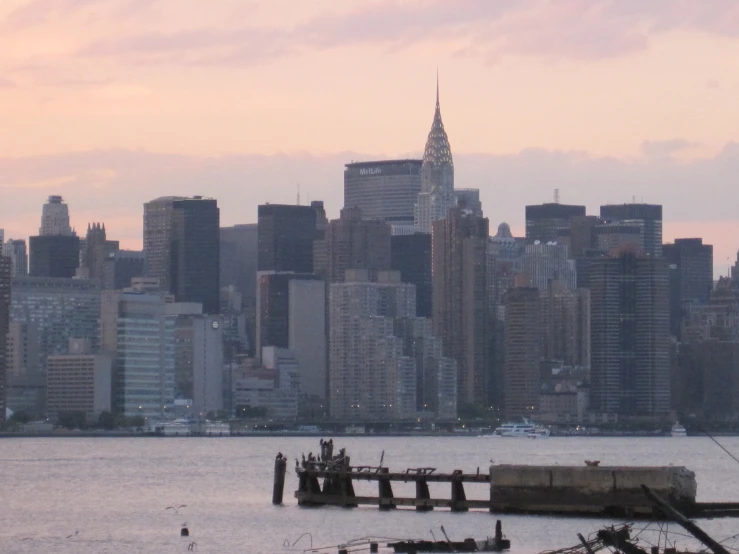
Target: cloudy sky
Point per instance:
(114, 102)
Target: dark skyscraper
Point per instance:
(523, 352)
(121, 267)
(690, 264)
(196, 253)
(355, 243)
(630, 335)
(5, 279)
(54, 256)
(385, 190)
(285, 238)
(647, 217)
(411, 255)
(273, 306)
(460, 306)
(550, 222)
(182, 245)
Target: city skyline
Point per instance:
(512, 138)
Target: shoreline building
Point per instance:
(79, 381)
(386, 190)
(137, 332)
(437, 176)
(630, 334)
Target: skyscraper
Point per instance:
(17, 252)
(5, 280)
(121, 267)
(469, 199)
(630, 334)
(56, 256)
(546, 262)
(386, 190)
(381, 357)
(138, 334)
(690, 264)
(437, 175)
(356, 243)
(550, 222)
(98, 249)
(285, 238)
(182, 244)
(460, 301)
(411, 255)
(55, 218)
(565, 325)
(647, 217)
(58, 310)
(523, 353)
(273, 307)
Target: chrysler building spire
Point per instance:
(437, 174)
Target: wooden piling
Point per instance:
(459, 498)
(422, 493)
(385, 490)
(278, 486)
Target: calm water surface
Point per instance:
(114, 491)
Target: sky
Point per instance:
(112, 103)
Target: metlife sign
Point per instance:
(364, 171)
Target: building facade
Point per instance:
(285, 238)
(57, 310)
(460, 301)
(544, 263)
(139, 335)
(523, 352)
(370, 377)
(182, 248)
(18, 253)
(356, 243)
(307, 334)
(79, 382)
(55, 256)
(386, 190)
(646, 217)
(411, 255)
(550, 222)
(630, 335)
(690, 265)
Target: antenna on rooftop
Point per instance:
(556, 196)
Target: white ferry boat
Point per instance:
(176, 428)
(678, 430)
(525, 429)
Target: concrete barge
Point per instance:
(612, 490)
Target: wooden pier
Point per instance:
(328, 479)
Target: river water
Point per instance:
(97, 495)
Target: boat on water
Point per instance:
(678, 430)
(522, 429)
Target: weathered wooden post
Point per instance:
(386, 491)
(279, 483)
(458, 494)
(422, 493)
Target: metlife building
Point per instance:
(385, 190)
